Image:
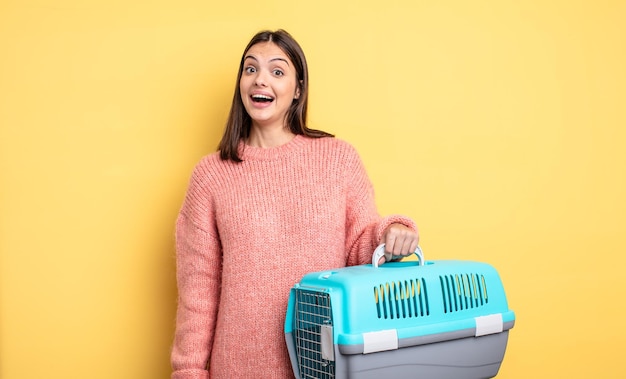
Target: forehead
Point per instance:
(266, 51)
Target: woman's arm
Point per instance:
(198, 274)
(365, 228)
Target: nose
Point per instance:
(260, 80)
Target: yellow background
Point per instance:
(499, 126)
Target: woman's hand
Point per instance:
(399, 240)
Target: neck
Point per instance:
(266, 138)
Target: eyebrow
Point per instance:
(271, 60)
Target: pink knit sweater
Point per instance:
(247, 232)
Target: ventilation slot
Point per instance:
(463, 291)
(401, 299)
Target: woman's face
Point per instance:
(268, 85)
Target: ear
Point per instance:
(297, 95)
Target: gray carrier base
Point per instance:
(463, 358)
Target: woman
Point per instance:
(277, 201)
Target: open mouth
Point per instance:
(262, 98)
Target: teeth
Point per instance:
(262, 97)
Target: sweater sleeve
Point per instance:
(364, 226)
(198, 273)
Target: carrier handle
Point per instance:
(380, 252)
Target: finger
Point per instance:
(381, 260)
(415, 244)
(390, 241)
(402, 243)
(406, 247)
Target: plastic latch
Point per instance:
(380, 341)
(326, 340)
(490, 324)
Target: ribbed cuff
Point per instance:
(190, 374)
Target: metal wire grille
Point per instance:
(312, 313)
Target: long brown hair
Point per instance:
(239, 122)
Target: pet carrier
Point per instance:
(410, 319)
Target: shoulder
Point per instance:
(333, 146)
(207, 165)
(210, 169)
